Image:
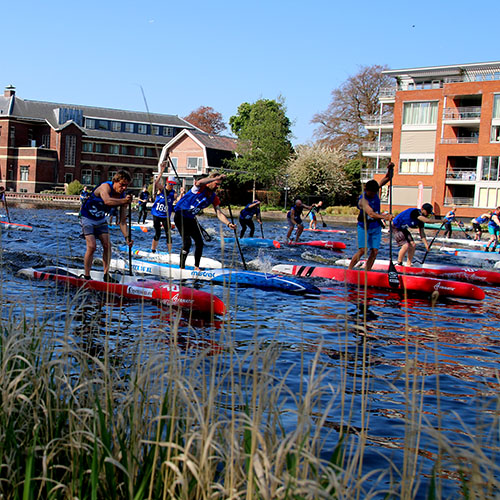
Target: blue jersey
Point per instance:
(408, 218)
(160, 207)
(83, 196)
(297, 212)
(143, 197)
(248, 212)
(195, 200)
(481, 219)
(94, 207)
(362, 217)
(492, 224)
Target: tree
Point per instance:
(264, 146)
(319, 170)
(74, 187)
(342, 124)
(207, 119)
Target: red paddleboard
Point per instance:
(414, 284)
(479, 276)
(328, 230)
(332, 245)
(11, 225)
(133, 288)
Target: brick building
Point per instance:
(46, 145)
(440, 126)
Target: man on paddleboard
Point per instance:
(494, 230)
(313, 219)
(246, 217)
(370, 219)
(294, 220)
(476, 224)
(200, 196)
(411, 218)
(142, 205)
(94, 222)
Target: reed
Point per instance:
(169, 417)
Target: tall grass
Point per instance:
(215, 422)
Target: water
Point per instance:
(454, 342)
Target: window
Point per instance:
(142, 129)
(46, 141)
(25, 173)
(174, 162)
(496, 106)
(495, 133)
(68, 178)
(70, 152)
(111, 174)
(194, 163)
(97, 177)
(137, 180)
(155, 130)
(116, 126)
(89, 123)
(124, 150)
(114, 149)
(87, 147)
(150, 152)
(98, 147)
(420, 113)
(168, 131)
(103, 125)
(416, 166)
(139, 151)
(12, 136)
(489, 169)
(86, 176)
(129, 127)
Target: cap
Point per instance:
(171, 180)
(428, 208)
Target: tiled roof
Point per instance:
(212, 141)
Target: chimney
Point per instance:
(10, 91)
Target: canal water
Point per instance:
(448, 350)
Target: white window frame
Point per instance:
(114, 149)
(24, 173)
(142, 129)
(168, 131)
(90, 123)
(199, 163)
(70, 151)
(86, 176)
(416, 165)
(415, 109)
(116, 126)
(155, 130)
(129, 127)
(87, 147)
(139, 151)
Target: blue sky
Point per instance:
(187, 54)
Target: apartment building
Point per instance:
(440, 126)
(45, 145)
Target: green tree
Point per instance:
(264, 146)
(74, 187)
(319, 170)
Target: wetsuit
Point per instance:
(246, 218)
(186, 209)
(143, 207)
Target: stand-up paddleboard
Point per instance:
(255, 242)
(461, 273)
(341, 231)
(11, 225)
(331, 245)
(408, 283)
(264, 281)
(132, 287)
(134, 227)
(171, 258)
(468, 253)
(461, 241)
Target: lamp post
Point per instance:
(286, 190)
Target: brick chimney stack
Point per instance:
(10, 91)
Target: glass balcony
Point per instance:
(460, 140)
(463, 113)
(375, 120)
(459, 202)
(378, 147)
(461, 174)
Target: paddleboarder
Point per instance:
(449, 218)
(294, 220)
(200, 196)
(476, 224)
(313, 219)
(94, 213)
(411, 218)
(163, 207)
(369, 227)
(143, 205)
(84, 194)
(494, 230)
(246, 217)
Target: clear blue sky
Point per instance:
(218, 53)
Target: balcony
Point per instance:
(379, 122)
(369, 173)
(459, 202)
(460, 140)
(467, 114)
(461, 175)
(375, 149)
(387, 93)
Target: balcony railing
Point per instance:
(464, 113)
(380, 147)
(460, 140)
(378, 120)
(459, 202)
(370, 173)
(460, 174)
(387, 92)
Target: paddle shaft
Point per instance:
(392, 273)
(5, 205)
(130, 238)
(236, 237)
(463, 230)
(432, 241)
(261, 230)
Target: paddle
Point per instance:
(130, 238)
(261, 230)
(5, 205)
(463, 230)
(392, 273)
(322, 220)
(432, 241)
(236, 237)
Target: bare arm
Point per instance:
(365, 206)
(388, 175)
(158, 183)
(209, 180)
(223, 218)
(104, 191)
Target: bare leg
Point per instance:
(371, 259)
(154, 245)
(289, 234)
(300, 228)
(356, 257)
(411, 253)
(106, 252)
(402, 252)
(89, 254)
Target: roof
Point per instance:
(450, 70)
(208, 141)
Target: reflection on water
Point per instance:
(448, 350)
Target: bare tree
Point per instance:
(207, 119)
(342, 124)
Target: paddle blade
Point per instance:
(393, 276)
